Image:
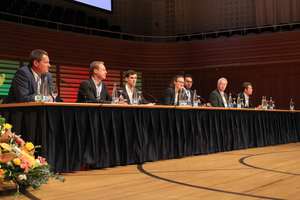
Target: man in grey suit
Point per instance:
(24, 81)
(218, 98)
(94, 90)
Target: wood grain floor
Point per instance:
(257, 173)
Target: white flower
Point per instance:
(22, 176)
(38, 161)
(9, 164)
(16, 150)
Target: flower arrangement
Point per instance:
(18, 163)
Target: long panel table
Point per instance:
(73, 134)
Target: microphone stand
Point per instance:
(84, 95)
(148, 94)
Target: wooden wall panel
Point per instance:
(279, 81)
(260, 59)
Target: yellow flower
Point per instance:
(36, 164)
(17, 161)
(5, 146)
(6, 127)
(29, 146)
(32, 161)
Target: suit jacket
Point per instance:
(216, 100)
(191, 95)
(242, 96)
(88, 93)
(23, 84)
(168, 97)
(125, 95)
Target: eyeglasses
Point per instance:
(180, 82)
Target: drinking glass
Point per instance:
(121, 98)
(199, 100)
(54, 92)
(273, 104)
(234, 103)
(140, 100)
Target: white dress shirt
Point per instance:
(224, 100)
(98, 88)
(129, 92)
(246, 100)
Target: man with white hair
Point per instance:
(218, 98)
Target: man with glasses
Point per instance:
(188, 83)
(171, 94)
(94, 90)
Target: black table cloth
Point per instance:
(74, 135)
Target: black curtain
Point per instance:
(108, 136)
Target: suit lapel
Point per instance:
(93, 87)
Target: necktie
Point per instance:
(38, 82)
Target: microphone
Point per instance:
(148, 94)
(203, 100)
(84, 95)
(234, 93)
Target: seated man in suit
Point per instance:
(246, 95)
(25, 79)
(94, 90)
(218, 98)
(188, 83)
(127, 90)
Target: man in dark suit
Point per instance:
(218, 98)
(25, 79)
(188, 83)
(94, 90)
(246, 95)
(127, 90)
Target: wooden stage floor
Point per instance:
(258, 173)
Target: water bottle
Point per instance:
(182, 100)
(134, 97)
(37, 92)
(230, 101)
(263, 102)
(195, 99)
(45, 90)
(185, 98)
(239, 102)
(115, 94)
(291, 105)
(189, 98)
(271, 104)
